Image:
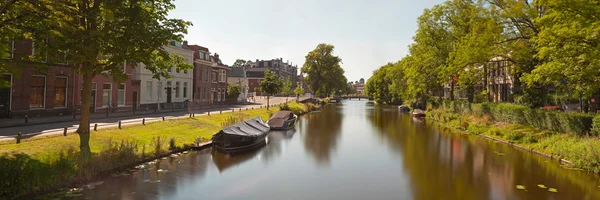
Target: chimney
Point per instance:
(185, 43)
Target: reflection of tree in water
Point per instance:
(321, 131)
(451, 166)
(422, 151)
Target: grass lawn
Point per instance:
(184, 131)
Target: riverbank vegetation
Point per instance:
(568, 136)
(39, 164)
(298, 108)
(324, 73)
(527, 53)
(546, 50)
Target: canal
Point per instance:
(354, 150)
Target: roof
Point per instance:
(280, 117)
(236, 72)
(251, 127)
(282, 114)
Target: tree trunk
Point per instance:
(84, 122)
(581, 103)
(268, 102)
(486, 85)
(452, 90)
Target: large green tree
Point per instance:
(569, 42)
(270, 85)
(101, 36)
(242, 63)
(324, 75)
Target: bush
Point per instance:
(596, 126)
(296, 108)
(574, 123)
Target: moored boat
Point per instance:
(282, 120)
(418, 113)
(403, 109)
(242, 136)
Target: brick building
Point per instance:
(110, 96)
(256, 72)
(36, 88)
(209, 77)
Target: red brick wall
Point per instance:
(254, 83)
(21, 89)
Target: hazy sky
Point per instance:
(366, 33)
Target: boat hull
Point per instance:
(418, 115)
(257, 143)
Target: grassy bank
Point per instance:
(299, 108)
(559, 135)
(46, 163)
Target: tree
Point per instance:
(382, 87)
(569, 42)
(286, 88)
(298, 91)
(324, 74)
(102, 36)
(270, 85)
(234, 90)
(22, 19)
(242, 63)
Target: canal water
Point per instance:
(354, 150)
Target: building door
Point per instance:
(169, 94)
(135, 100)
(5, 96)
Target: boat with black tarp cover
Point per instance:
(242, 136)
(282, 120)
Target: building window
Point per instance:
(185, 71)
(60, 92)
(222, 75)
(170, 69)
(149, 90)
(218, 95)
(223, 94)
(207, 56)
(106, 94)
(38, 92)
(185, 86)
(214, 77)
(121, 94)
(207, 77)
(177, 89)
(177, 70)
(200, 78)
(201, 55)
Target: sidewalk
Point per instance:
(20, 121)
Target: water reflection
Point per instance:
(471, 168)
(370, 152)
(322, 133)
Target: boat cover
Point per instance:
(252, 127)
(280, 117)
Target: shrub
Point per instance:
(172, 143)
(296, 108)
(514, 136)
(596, 126)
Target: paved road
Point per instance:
(38, 130)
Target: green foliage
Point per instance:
(286, 88)
(299, 91)
(271, 84)
(386, 84)
(242, 63)
(324, 75)
(596, 126)
(234, 90)
(578, 124)
(296, 108)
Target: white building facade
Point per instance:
(167, 92)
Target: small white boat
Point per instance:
(418, 113)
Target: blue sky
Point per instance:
(366, 34)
